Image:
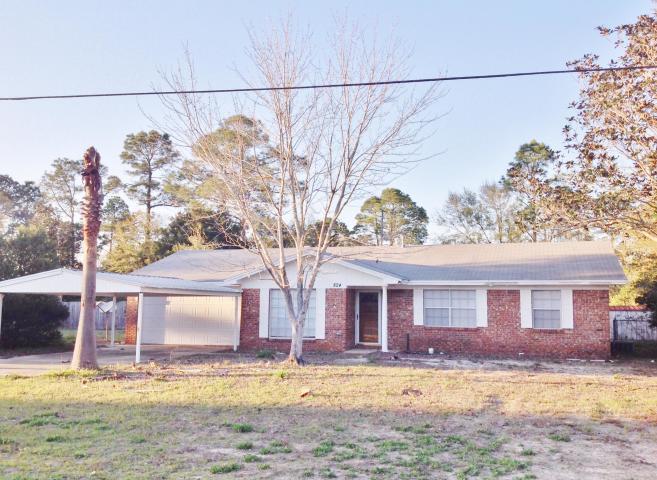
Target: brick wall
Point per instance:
(350, 319)
(503, 337)
(131, 320)
(339, 320)
(590, 337)
(400, 318)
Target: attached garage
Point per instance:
(188, 320)
(161, 310)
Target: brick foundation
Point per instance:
(339, 324)
(503, 337)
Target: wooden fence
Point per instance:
(103, 319)
(632, 325)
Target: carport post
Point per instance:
(140, 315)
(113, 320)
(236, 324)
(2, 296)
(384, 319)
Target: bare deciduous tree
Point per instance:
(328, 146)
(84, 353)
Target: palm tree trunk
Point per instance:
(84, 354)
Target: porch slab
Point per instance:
(361, 351)
(352, 361)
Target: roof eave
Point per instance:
(601, 282)
(375, 273)
(186, 291)
(109, 284)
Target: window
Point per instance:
(450, 308)
(279, 325)
(546, 308)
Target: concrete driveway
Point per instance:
(117, 355)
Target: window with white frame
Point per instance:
(546, 308)
(279, 324)
(450, 308)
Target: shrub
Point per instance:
(31, 321)
(649, 299)
(270, 354)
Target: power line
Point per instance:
(328, 85)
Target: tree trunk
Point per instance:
(296, 346)
(147, 227)
(84, 354)
(149, 203)
(72, 251)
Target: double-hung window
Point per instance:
(279, 323)
(450, 308)
(546, 308)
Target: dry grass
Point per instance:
(249, 420)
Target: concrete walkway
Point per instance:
(117, 355)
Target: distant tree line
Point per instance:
(41, 221)
(513, 209)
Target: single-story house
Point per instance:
(532, 299)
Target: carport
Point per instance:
(168, 308)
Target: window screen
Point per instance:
(279, 325)
(450, 308)
(546, 308)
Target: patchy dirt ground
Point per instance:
(236, 416)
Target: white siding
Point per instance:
(329, 276)
(188, 320)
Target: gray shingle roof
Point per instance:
(593, 262)
(203, 265)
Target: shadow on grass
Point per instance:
(63, 346)
(140, 436)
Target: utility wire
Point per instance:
(328, 85)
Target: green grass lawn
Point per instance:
(223, 419)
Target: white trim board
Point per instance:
(509, 283)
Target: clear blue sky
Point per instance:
(49, 47)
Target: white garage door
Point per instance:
(188, 320)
